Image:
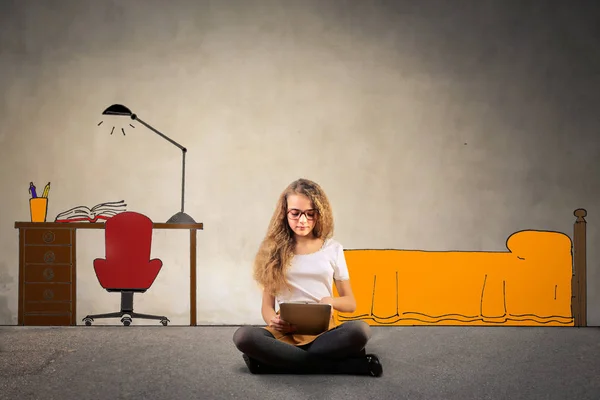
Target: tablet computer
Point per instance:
(309, 318)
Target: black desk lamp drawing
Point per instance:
(120, 110)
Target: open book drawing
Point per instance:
(100, 212)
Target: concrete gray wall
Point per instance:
(432, 125)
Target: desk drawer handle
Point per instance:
(48, 294)
(49, 257)
(48, 274)
(48, 237)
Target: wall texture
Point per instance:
(431, 125)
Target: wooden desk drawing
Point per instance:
(48, 269)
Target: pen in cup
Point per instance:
(32, 190)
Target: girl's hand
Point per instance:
(280, 325)
(327, 300)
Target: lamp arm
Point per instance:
(135, 118)
(183, 151)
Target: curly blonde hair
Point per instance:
(277, 248)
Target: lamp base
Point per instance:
(181, 218)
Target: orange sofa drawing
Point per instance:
(530, 284)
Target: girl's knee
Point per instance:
(246, 338)
(242, 337)
(361, 331)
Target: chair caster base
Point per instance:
(125, 319)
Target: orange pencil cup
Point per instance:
(38, 207)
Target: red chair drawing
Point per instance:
(127, 267)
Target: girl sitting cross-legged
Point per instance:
(298, 261)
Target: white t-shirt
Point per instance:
(311, 275)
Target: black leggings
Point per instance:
(340, 350)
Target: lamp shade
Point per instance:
(118, 109)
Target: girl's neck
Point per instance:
(307, 245)
(303, 240)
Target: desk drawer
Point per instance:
(48, 255)
(47, 319)
(47, 292)
(48, 307)
(48, 273)
(47, 236)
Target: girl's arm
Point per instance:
(346, 301)
(268, 307)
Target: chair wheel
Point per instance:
(88, 321)
(126, 321)
(165, 322)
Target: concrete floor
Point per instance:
(144, 362)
